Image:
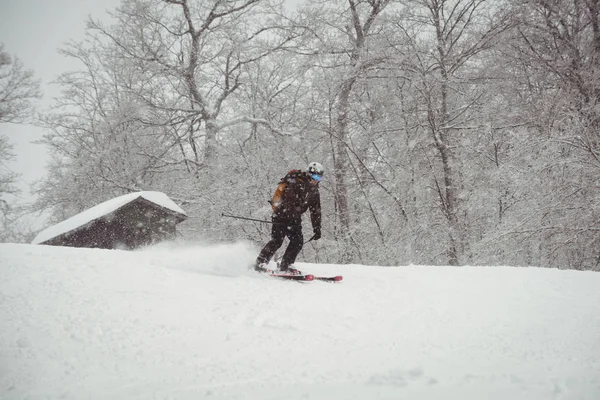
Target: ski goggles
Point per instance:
(316, 177)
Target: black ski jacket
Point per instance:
(294, 195)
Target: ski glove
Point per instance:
(317, 234)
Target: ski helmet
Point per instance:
(315, 170)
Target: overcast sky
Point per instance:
(33, 30)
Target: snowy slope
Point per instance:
(193, 323)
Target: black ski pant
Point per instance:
(278, 233)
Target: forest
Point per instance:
(452, 132)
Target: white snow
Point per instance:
(190, 322)
(103, 209)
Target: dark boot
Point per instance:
(289, 270)
(261, 266)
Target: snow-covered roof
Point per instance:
(102, 210)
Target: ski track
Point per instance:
(192, 322)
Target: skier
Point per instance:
(296, 192)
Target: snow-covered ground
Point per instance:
(191, 322)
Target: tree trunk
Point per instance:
(210, 144)
(341, 159)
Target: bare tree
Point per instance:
(7, 177)
(555, 51)
(17, 89)
(341, 53)
(358, 30)
(160, 94)
(96, 134)
(461, 32)
(197, 53)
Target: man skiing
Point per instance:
(297, 192)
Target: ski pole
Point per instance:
(312, 238)
(246, 218)
(254, 219)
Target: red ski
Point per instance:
(282, 275)
(298, 277)
(336, 278)
(290, 277)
